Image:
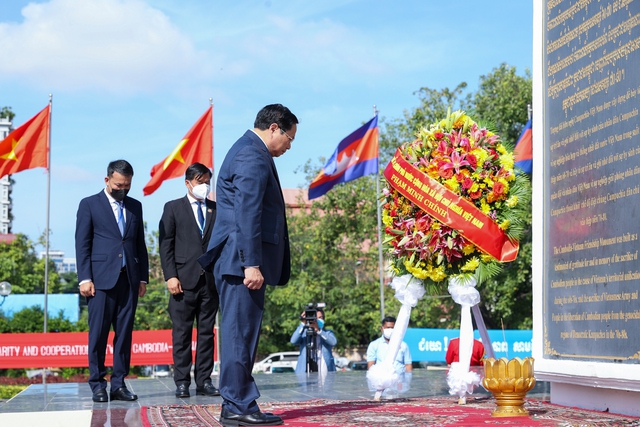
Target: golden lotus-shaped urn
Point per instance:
(509, 381)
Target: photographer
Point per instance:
(315, 341)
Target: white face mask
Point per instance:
(200, 191)
(387, 333)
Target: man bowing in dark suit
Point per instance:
(113, 271)
(249, 247)
(185, 229)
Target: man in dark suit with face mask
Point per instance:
(185, 229)
(113, 271)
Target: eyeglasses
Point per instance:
(290, 139)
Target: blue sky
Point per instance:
(130, 77)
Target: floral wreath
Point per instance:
(450, 196)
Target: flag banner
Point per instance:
(523, 153)
(356, 156)
(27, 147)
(196, 146)
(71, 349)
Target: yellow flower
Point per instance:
(505, 224)
(386, 219)
(506, 160)
(512, 201)
(480, 155)
(500, 149)
(487, 258)
(436, 274)
(452, 184)
(417, 272)
(471, 265)
(484, 206)
(468, 249)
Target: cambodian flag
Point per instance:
(356, 156)
(524, 149)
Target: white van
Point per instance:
(283, 360)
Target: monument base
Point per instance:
(596, 398)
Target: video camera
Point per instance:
(311, 316)
(311, 312)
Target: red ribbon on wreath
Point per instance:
(450, 209)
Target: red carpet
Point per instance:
(439, 411)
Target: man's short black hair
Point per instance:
(275, 113)
(123, 167)
(197, 170)
(389, 319)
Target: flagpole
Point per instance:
(46, 238)
(377, 201)
(216, 328)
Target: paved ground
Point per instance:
(70, 404)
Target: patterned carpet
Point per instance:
(440, 411)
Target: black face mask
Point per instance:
(119, 195)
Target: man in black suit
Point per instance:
(113, 271)
(249, 248)
(185, 229)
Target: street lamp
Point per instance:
(358, 264)
(5, 290)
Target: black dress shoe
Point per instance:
(182, 391)
(100, 396)
(229, 419)
(207, 390)
(123, 394)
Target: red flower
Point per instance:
(475, 194)
(445, 169)
(467, 183)
(473, 162)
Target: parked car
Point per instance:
(285, 359)
(282, 366)
(357, 366)
(161, 371)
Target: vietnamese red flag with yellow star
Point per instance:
(196, 146)
(27, 147)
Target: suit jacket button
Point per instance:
(119, 255)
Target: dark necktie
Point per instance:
(200, 218)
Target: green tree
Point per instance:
(152, 311)
(7, 113)
(333, 249)
(503, 99)
(32, 320)
(434, 105)
(328, 254)
(20, 266)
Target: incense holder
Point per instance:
(509, 381)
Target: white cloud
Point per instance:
(120, 46)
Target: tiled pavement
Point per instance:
(70, 404)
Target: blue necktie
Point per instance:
(120, 218)
(200, 218)
(121, 223)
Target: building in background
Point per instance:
(63, 265)
(5, 185)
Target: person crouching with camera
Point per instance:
(316, 344)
